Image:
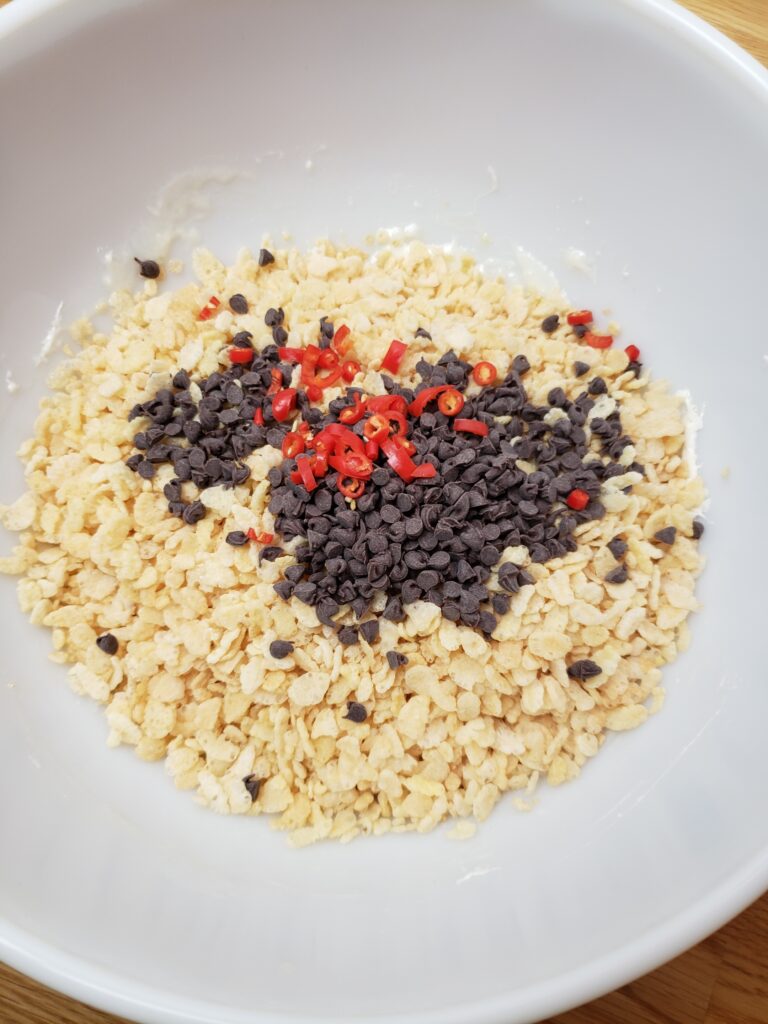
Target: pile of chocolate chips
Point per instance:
(435, 540)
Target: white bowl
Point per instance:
(629, 130)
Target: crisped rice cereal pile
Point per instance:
(468, 717)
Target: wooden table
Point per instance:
(723, 980)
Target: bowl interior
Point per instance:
(606, 127)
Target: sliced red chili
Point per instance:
(350, 370)
(353, 413)
(314, 393)
(451, 402)
(579, 317)
(387, 403)
(577, 499)
(304, 467)
(293, 445)
(633, 353)
(350, 487)
(340, 342)
(405, 444)
(304, 427)
(338, 439)
(328, 359)
(277, 381)
(394, 356)
(471, 427)
(399, 459)
(283, 404)
(372, 450)
(207, 311)
(425, 471)
(258, 418)
(598, 340)
(398, 424)
(319, 464)
(484, 374)
(260, 538)
(355, 464)
(241, 355)
(291, 355)
(376, 427)
(422, 400)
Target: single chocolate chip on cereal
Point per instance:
(697, 528)
(194, 512)
(273, 317)
(348, 635)
(617, 547)
(279, 335)
(253, 785)
(550, 323)
(238, 303)
(148, 268)
(265, 257)
(618, 575)
(579, 368)
(107, 643)
(369, 630)
(280, 648)
(666, 536)
(236, 538)
(597, 386)
(395, 659)
(243, 339)
(356, 712)
(584, 669)
(421, 333)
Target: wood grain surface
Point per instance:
(723, 980)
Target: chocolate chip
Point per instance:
(617, 575)
(107, 643)
(520, 365)
(597, 386)
(280, 648)
(238, 303)
(348, 635)
(243, 339)
(279, 335)
(236, 538)
(194, 512)
(395, 660)
(697, 529)
(369, 630)
(265, 257)
(148, 268)
(617, 547)
(253, 785)
(550, 323)
(274, 317)
(583, 670)
(665, 536)
(356, 712)
(579, 368)
(421, 333)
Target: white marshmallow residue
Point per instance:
(694, 421)
(52, 339)
(579, 260)
(10, 384)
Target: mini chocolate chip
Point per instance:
(274, 317)
(557, 397)
(107, 643)
(348, 635)
(253, 785)
(356, 712)
(580, 330)
(243, 339)
(181, 380)
(697, 529)
(421, 333)
(369, 630)
(280, 648)
(579, 368)
(597, 386)
(134, 461)
(584, 669)
(395, 660)
(665, 536)
(265, 257)
(238, 303)
(618, 575)
(148, 268)
(550, 323)
(520, 365)
(279, 335)
(617, 547)
(146, 470)
(194, 512)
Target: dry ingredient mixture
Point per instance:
(358, 541)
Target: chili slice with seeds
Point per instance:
(399, 459)
(293, 445)
(484, 374)
(376, 427)
(451, 402)
(353, 413)
(350, 487)
(350, 370)
(283, 404)
(598, 340)
(340, 342)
